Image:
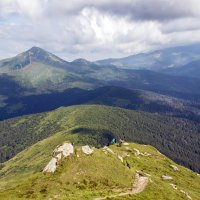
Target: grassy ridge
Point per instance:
(86, 177)
(176, 138)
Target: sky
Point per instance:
(97, 29)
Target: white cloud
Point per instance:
(31, 9)
(96, 29)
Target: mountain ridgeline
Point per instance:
(97, 125)
(191, 69)
(168, 58)
(150, 99)
(39, 71)
(99, 175)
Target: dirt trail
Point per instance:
(139, 184)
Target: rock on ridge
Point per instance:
(175, 168)
(165, 177)
(64, 150)
(87, 150)
(51, 166)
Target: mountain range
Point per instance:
(43, 71)
(157, 60)
(149, 99)
(38, 81)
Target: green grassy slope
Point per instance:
(87, 177)
(176, 138)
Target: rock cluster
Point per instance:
(185, 193)
(87, 150)
(62, 151)
(138, 153)
(108, 150)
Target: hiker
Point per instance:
(113, 141)
(120, 142)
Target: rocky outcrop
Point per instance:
(164, 177)
(65, 150)
(147, 154)
(175, 168)
(182, 191)
(51, 166)
(60, 152)
(107, 149)
(120, 158)
(87, 150)
(173, 185)
(137, 152)
(142, 173)
(125, 155)
(186, 194)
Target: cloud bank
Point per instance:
(97, 29)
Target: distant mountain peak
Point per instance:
(35, 48)
(35, 51)
(81, 61)
(40, 55)
(33, 55)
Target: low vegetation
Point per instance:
(96, 175)
(176, 138)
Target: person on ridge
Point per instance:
(120, 142)
(113, 141)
